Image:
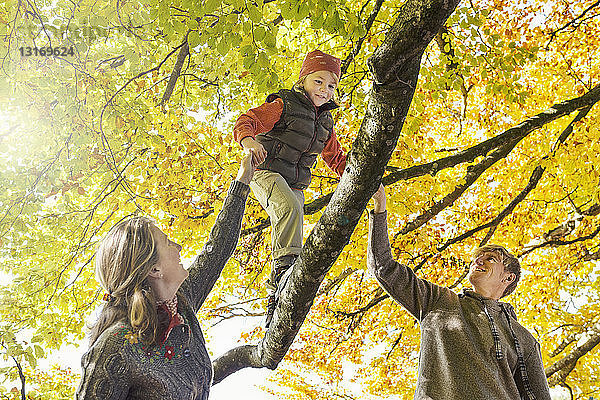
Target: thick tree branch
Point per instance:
(591, 211)
(558, 371)
(559, 242)
(514, 134)
(395, 67)
(572, 22)
(234, 360)
(473, 173)
(183, 53)
(21, 377)
(564, 344)
(533, 181)
(569, 129)
(591, 256)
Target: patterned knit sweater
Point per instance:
(118, 367)
(467, 348)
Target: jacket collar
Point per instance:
(491, 304)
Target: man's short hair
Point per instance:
(511, 263)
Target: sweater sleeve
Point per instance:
(417, 295)
(223, 238)
(105, 374)
(258, 120)
(536, 374)
(333, 155)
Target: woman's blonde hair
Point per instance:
(299, 85)
(124, 259)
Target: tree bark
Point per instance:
(395, 68)
(183, 53)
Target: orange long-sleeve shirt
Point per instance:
(264, 117)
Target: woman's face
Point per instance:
(169, 260)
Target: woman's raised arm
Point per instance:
(222, 240)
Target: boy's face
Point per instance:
(320, 87)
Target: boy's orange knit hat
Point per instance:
(316, 60)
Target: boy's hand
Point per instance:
(246, 171)
(258, 151)
(379, 199)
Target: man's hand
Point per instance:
(246, 171)
(379, 199)
(258, 151)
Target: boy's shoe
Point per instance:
(280, 266)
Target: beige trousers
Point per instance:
(285, 207)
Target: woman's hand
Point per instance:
(247, 167)
(258, 151)
(379, 199)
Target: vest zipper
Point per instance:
(314, 136)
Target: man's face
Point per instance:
(487, 275)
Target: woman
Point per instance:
(147, 343)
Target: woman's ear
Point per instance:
(155, 273)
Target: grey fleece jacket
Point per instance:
(457, 359)
(118, 367)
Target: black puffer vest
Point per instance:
(297, 138)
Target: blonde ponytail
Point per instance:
(124, 259)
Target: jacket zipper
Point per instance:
(314, 136)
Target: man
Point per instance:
(472, 346)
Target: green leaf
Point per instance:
(211, 5)
(248, 61)
(30, 358)
(270, 40)
(235, 40)
(254, 13)
(39, 352)
(287, 11)
(263, 60)
(259, 33)
(232, 19)
(247, 27)
(223, 46)
(302, 11)
(247, 50)
(317, 21)
(193, 39)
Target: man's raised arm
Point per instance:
(417, 295)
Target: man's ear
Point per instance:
(510, 278)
